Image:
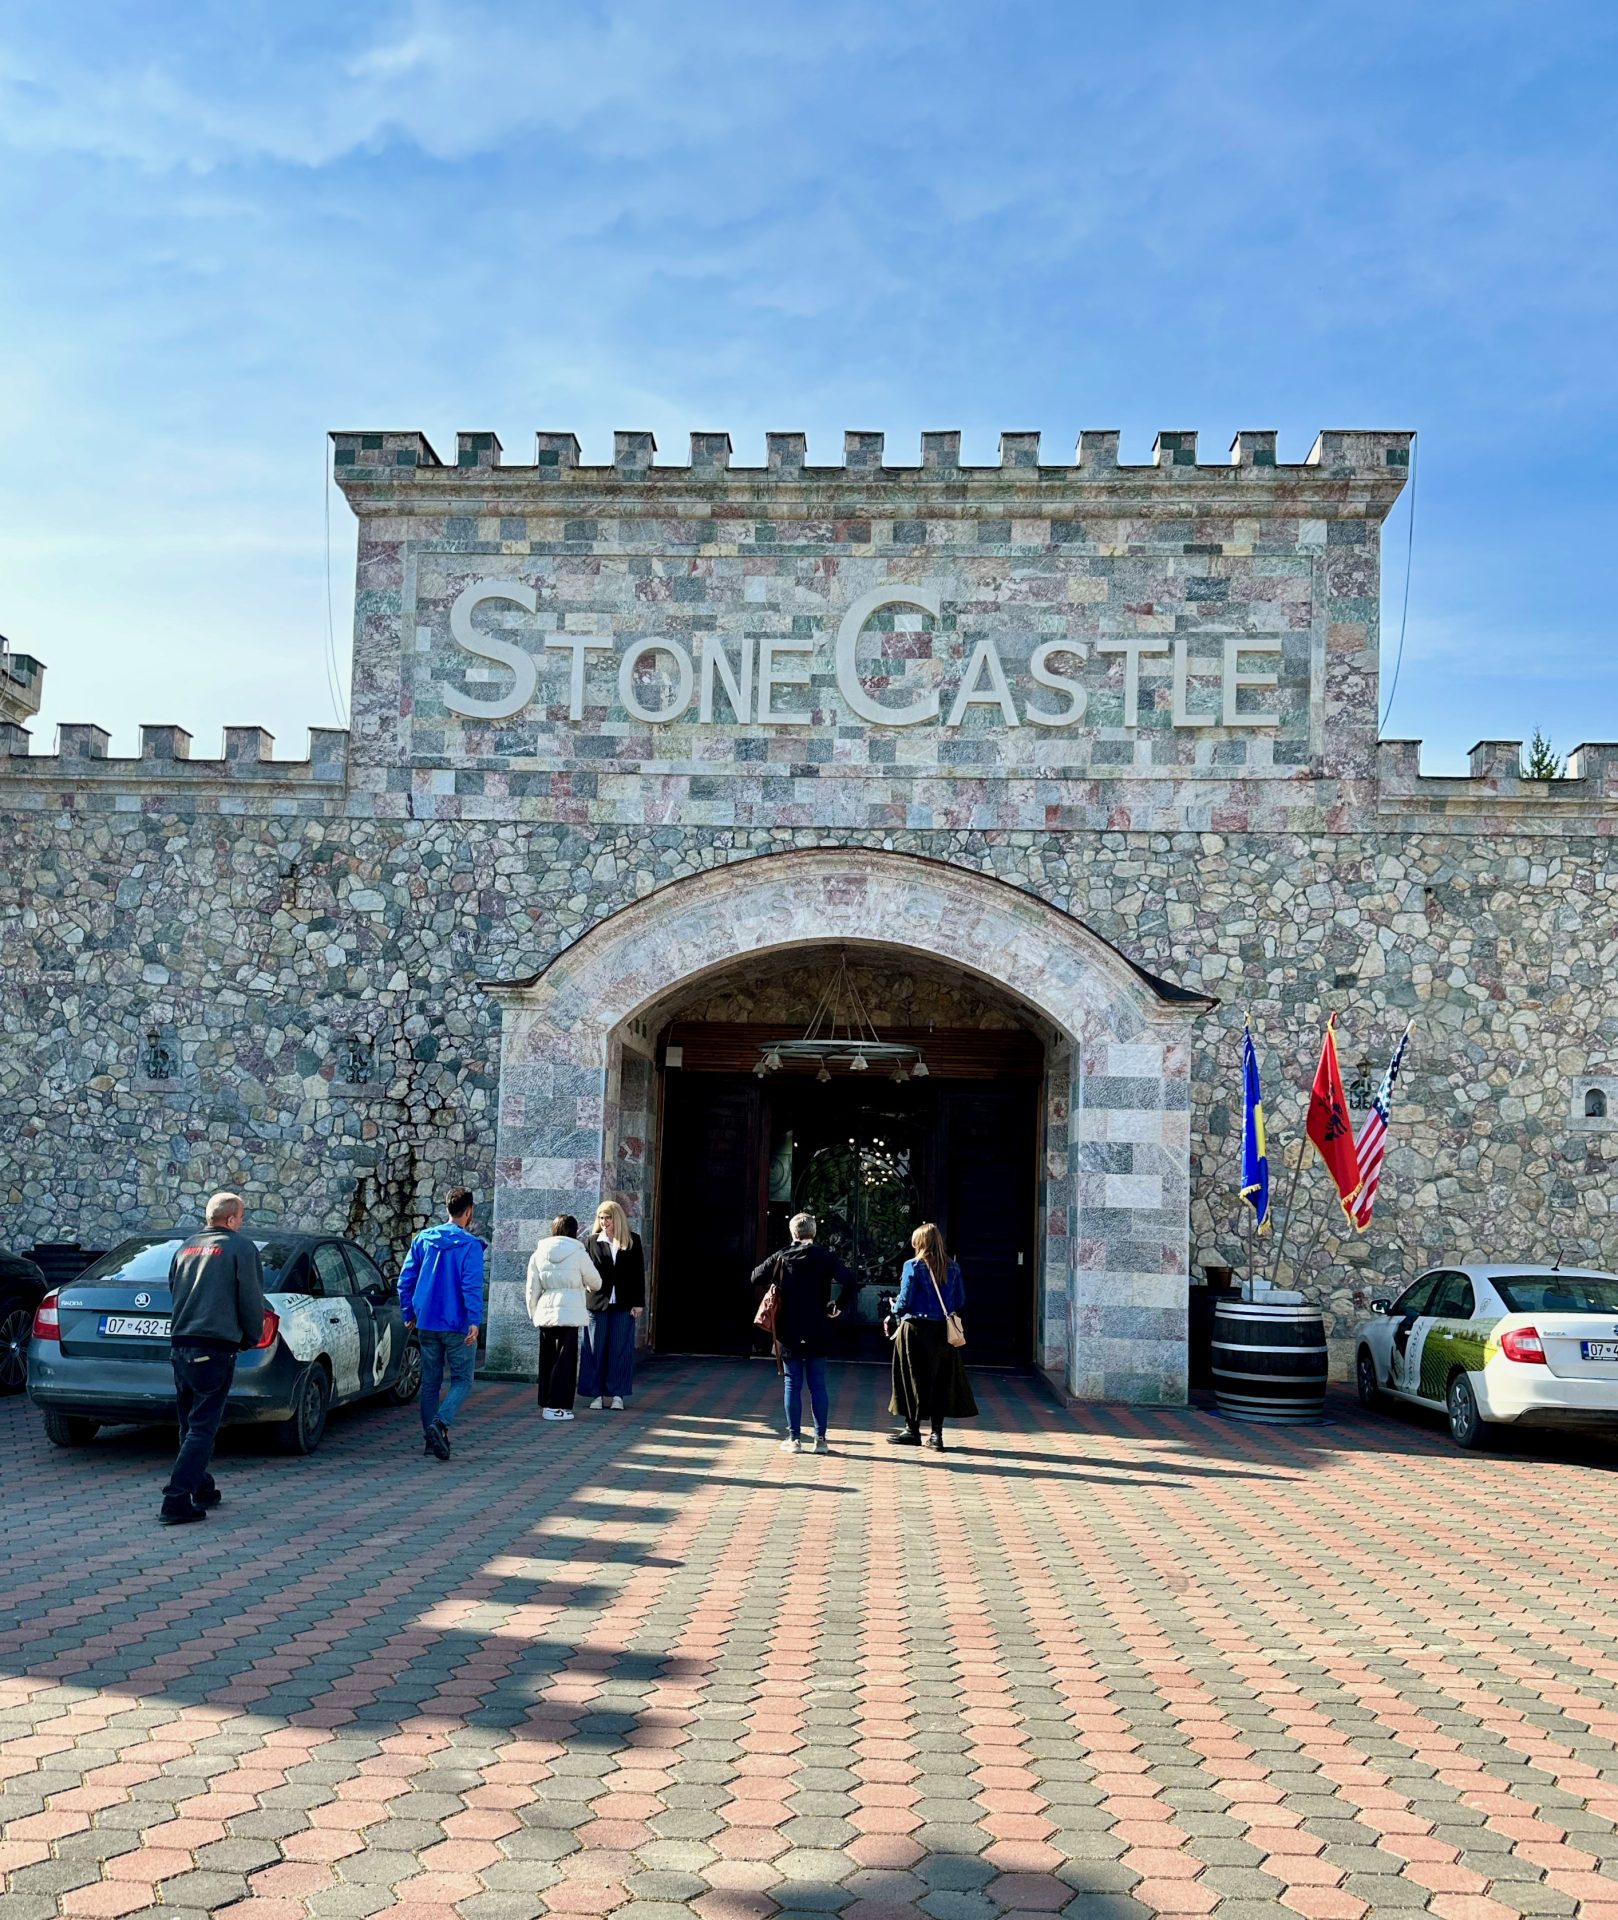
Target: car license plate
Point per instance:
(135, 1326)
(1599, 1349)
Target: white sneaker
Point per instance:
(790, 1445)
(820, 1444)
(596, 1403)
(563, 1413)
(617, 1403)
(551, 1413)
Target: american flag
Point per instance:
(1372, 1143)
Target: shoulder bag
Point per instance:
(769, 1311)
(954, 1332)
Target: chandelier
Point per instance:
(840, 1033)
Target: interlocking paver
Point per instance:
(1107, 1664)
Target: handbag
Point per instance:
(954, 1332)
(769, 1311)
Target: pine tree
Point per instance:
(1542, 763)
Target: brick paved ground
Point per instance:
(1110, 1664)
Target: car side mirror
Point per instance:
(1381, 1306)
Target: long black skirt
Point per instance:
(929, 1376)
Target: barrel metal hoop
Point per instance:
(1273, 1379)
(1270, 1346)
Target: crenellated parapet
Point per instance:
(1341, 467)
(1494, 789)
(81, 771)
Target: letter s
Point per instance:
(489, 646)
(1040, 669)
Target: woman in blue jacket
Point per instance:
(929, 1379)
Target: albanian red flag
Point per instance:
(1329, 1126)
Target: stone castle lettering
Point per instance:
(750, 679)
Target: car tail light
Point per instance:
(47, 1324)
(271, 1327)
(1523, 1343)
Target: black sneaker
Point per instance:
(427, 1446)
(936, 1442)
(438, 1440)
(184, 1516)
(209, 1498)
(905, 1437)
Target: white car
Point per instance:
(1501, 1345)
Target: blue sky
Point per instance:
(230, 228)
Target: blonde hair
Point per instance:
(928, 1243)
(221, 1206)
(616, 1222)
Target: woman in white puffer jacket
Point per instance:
(560, 1273)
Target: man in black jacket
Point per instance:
(805, 1273)
(216, 1285)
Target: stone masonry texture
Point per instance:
(311, 943)
(1098, 1663)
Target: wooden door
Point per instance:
(985, 1182)
(709, 1215)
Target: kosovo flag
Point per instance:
(1255, 1154)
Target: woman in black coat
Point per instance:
(607, 1363)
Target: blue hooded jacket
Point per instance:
(441, 1281)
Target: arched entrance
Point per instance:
(747, 1135)
(580, 1084)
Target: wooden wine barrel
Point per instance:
(1269, 1360)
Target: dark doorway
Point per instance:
(868, 1156)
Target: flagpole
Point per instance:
(1314, 1242)
(1286, 1218)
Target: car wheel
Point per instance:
(301, 1434)
(1466, 1426)
(408, 1384)
(1365, 1379)
(16, 1329)
(69, 1430)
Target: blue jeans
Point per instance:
(201, 1388)
(607, 1361)
(460, 1356)
(813, 1367)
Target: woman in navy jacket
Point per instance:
(929, 1379)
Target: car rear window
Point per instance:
(1559, 1293)
(150, 1256)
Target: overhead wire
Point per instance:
(334, 677)
(1404, 611)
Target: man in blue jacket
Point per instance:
(441, 1296)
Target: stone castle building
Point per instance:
(1062, 769)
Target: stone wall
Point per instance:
(255, 944)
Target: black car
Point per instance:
(332, 1334)
(22, 1287)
